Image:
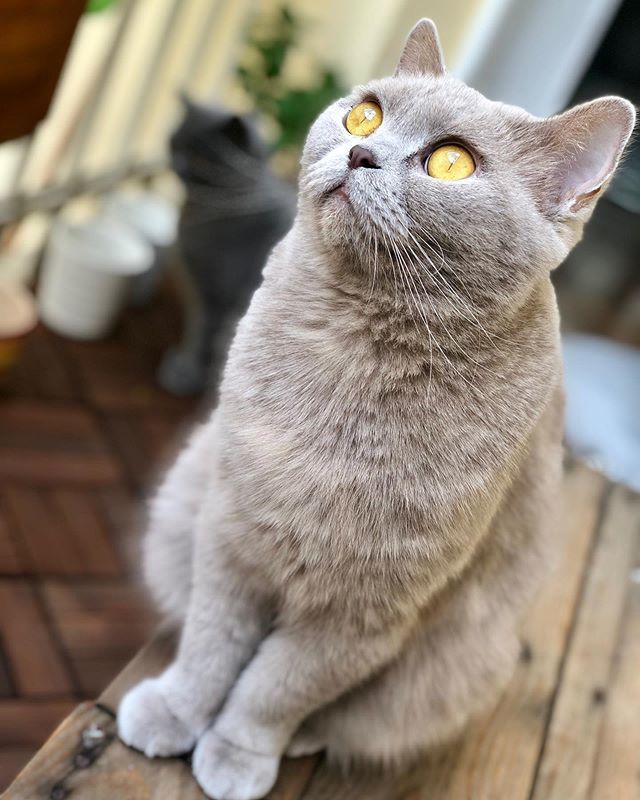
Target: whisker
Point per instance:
(453, 294)
(446, 330)
(428, 327)
(455, 297)
(442, 352)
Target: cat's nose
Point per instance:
(361, 157)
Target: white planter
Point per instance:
(156, 220)
(86, 272)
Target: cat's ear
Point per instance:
(422, 54)
(584, 146)
(236, 130)
(185, 101)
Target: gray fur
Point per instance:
(350, 540)
(235, 211)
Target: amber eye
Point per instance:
(364, 118)
(450, 162)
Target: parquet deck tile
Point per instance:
(84, 430)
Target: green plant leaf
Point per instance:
(99, 5)
(261, 76)
(274, 54)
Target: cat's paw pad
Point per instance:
(146, 723)
(228, 772)
(306, 741)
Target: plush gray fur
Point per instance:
(350, 540)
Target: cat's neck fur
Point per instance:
(403, 309)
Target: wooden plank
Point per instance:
(125, 516)
(45, 444)
(101, 625)
(497, 756)
(54, 761)
(617, 773)
(31, 422)
(26, 724)
(149, 330)
(567, 765)
(41, 373)
(146, 443)
(47, 468)
(62, 531)
(127, 775)
(47, 549)
(65, 766)
(294, 777)
(69, 766)
(88, 532)
(150, 660)
(10, 562)
(6, 683)
(115, 377)
(13, 760)
(36, 665)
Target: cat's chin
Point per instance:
(338, 225)
(339, 221)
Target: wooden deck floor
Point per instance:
(83, 428)
(567, 728)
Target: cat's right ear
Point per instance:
(582, 149)
(185, 101)
(192, 112)
(422, 54)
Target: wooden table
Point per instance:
(568, 728)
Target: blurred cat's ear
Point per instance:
(422, 54)
(585, 145)
(236, 130)
(184, 99)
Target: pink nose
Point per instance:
(361, 157)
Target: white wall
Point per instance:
(533, 54)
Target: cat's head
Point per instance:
(421, 165)
(213, 136)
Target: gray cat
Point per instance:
(349, 542)
(235, 211)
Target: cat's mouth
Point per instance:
(338, 192)
(346, 211)
(341, 192)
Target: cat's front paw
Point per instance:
(228, 772)
(146, 722)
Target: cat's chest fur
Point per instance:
(348, 446)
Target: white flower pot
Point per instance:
(156, 220)
(86, 273)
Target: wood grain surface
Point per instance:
(567, 728)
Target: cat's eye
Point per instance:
(364, 118)
(450, 162)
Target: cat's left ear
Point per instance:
(584, 146)
(422, 54)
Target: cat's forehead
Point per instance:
(436, 107)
